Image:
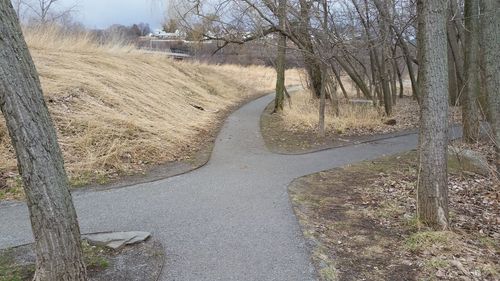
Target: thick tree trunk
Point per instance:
(491, 44)
(281, 60)
(470, 108)
(432, 187)
(53, 217)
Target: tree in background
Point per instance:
(432, 186)
(281, 59)
(491, 44)
(43, 11)
(470, 106)
(53, 217)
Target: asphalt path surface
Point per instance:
(229, 220)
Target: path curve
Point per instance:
(229, 220)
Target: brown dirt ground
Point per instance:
(360, 222)
(143, 261)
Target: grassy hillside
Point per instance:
(118, 110)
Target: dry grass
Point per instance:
(117, 109)
(303, 115)
(355, 119)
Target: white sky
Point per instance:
(103, 13)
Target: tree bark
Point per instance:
(491, 43)
(53, 217)
(394, 78)
(400, 79)
(281, 60)
(432, 188)
(452, 78)
(311, 61)
(339, 81)
(470, 108)
(411, 72)
(355, 77)
(322, 104)
(456, 52)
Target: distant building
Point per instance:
(161, 34)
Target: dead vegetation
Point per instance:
(119, 110)
(295, 130)
(355, 117)
(361, 221)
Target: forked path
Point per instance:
(229, 220)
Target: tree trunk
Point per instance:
(432, 186)
(470, 108)
(311, 61)
(53, 217)
(452, 78)
(322, 104)
(355, 77)
(400, 79)
(411, 72)
(491, 43)
(281, 60)
(313, 69)
(394, 78)
(339, 81)
(383, 62)
(457, 55)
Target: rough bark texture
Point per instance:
(432, 189)
(491, 43)
(53, 217)
(470, 108)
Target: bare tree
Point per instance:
(44, 11)
(432, 186)
(53, 217)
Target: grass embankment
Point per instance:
(119, 111)
(361, 221)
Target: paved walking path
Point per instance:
(229, 220)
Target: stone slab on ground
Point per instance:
(116, 240)
(469, 160)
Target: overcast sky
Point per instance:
(103, 13)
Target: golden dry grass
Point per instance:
(117, 108)
(303, 115)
